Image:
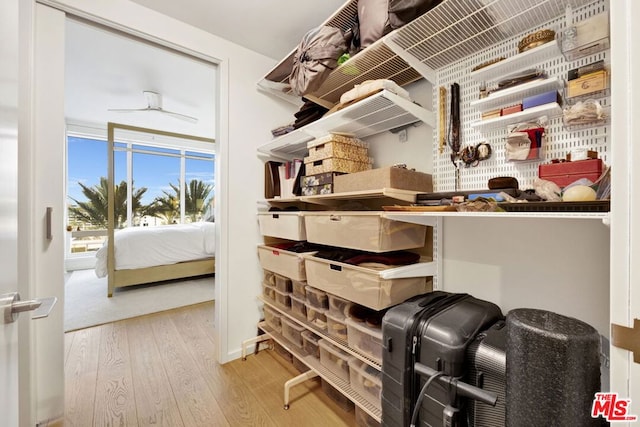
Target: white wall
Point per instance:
(246, 116)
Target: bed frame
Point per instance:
(130, 277)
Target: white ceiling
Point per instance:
(106, 69)
(270, 27)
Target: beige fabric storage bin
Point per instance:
(285, 225)
(283, 262)
(362, 285)
(366, 231)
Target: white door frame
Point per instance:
(109, 14)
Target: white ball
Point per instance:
(579, 193)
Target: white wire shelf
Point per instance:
(515, 95)
(550, 110)
(314, 364)
(522, 61)
(343, 345)
(426, 218)
(408, 196)
(449, 32)
(375, 114)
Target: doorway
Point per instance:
(115, 77)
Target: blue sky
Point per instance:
(87, 162)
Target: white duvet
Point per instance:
(139, 247)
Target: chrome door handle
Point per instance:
(11, 306)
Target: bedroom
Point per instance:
(164, 149)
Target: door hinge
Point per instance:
(627, 338)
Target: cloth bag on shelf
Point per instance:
(402, 12)
(316, 56)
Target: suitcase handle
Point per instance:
(462, 388)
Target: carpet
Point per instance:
(87, 304)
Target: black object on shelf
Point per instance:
(594, 206)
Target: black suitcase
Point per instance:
(431, 332)
(487, 358)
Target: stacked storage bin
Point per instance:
(329, 156)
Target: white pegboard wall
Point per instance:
(558, 139)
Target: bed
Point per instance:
(151, 254)
(137, 255)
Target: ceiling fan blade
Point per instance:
(127, 110)
(179, 116)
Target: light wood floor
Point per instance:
(160, 370)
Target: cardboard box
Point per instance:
(365, 231)
(335, 164)
(285, 225)
(364, 286)
(390, 177)
(340, 150)
(510, 110)
(541, 99)
(566, 173)
(318, 179)
(316, 190)
(588, 84)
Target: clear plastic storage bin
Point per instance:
(365, 339)
(269, 292)
(283, 284)
(310, 344)
(283, 299)
(339, 306)
(366, 380)
(334, 359)
(298, 288)
(336, 326)
(298, 307)
(292, 332)
(317, 298)
(317, 317)
(272, 318)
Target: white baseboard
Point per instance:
(82, 263)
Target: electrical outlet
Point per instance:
(402, 135)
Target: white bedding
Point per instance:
(139, 247)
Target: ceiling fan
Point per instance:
(154, 103)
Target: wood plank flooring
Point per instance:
(160, 370)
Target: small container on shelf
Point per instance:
(269, 278)
(334, 359)
(366, 380)
(317, 298)
(283, 352)
(283, 300)
(365, 338)
(298, 307)
(336, 326)
(301, 367)
(317, 317)
(298, 289)
(339, 306)
(292, 332)
(269, 292)
(342, 401)
(365, 420)
(283, 284)
(310, 344)
(272, 318)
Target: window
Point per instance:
(154, 185)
